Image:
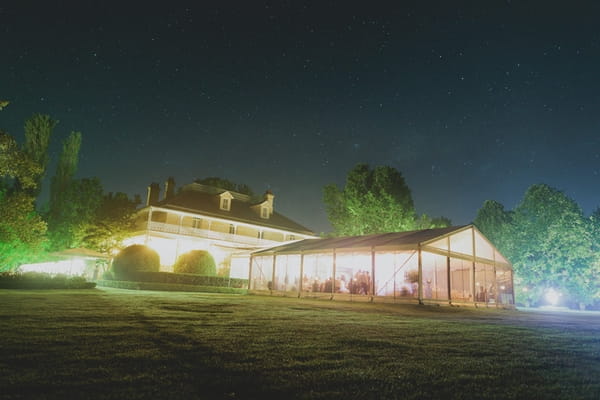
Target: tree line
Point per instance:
(78, 212)
(548, 239)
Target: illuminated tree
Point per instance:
(22, 230)
(15, 164)
(372, 201)
(594, 224)
(551, 246)
(426, 222)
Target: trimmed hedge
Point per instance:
(38, 280)
(135, 258)
(170, 287)
(196, 262)
(185, 279)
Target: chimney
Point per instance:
(169, 188)
(153, 191)
(269, 196)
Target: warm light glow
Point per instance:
(75, 266)
(239, 267)
(552, 296)
(166, 249)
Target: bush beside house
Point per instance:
(198, 262)
(135, 258)
(137, 267)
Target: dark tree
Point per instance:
(38, 130)
(113, 222)
(65, 172)
(495, 223)
(81, 200)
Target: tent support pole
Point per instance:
(250, 272)
(473, 269)
(273, 274)
(301, 274)
(372, 288)
(333, 272)
(420, 275)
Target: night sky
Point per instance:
(469, 100)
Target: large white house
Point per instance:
(201, 217)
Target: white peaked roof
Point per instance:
(464, 240)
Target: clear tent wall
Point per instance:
(456, 265)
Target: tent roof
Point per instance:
(410, 238)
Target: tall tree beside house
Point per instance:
(374, 200)
(65, 170)
(15, 164)
(59, 215)
(38, 130)
(22, 230)
(82, 199)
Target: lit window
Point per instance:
(292, 237)
(197, 223)
(264, 212)
(232, 229)
(261, 234)
(225, 204)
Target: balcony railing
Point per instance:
(205, 233)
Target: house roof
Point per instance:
(409, 238)
(241, 210)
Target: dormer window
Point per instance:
(225, 204)
(225, 201)
(264, 212)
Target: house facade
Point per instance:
(222, 222)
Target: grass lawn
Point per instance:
(119, 344)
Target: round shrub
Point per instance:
(133, 259)
(198, 262)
